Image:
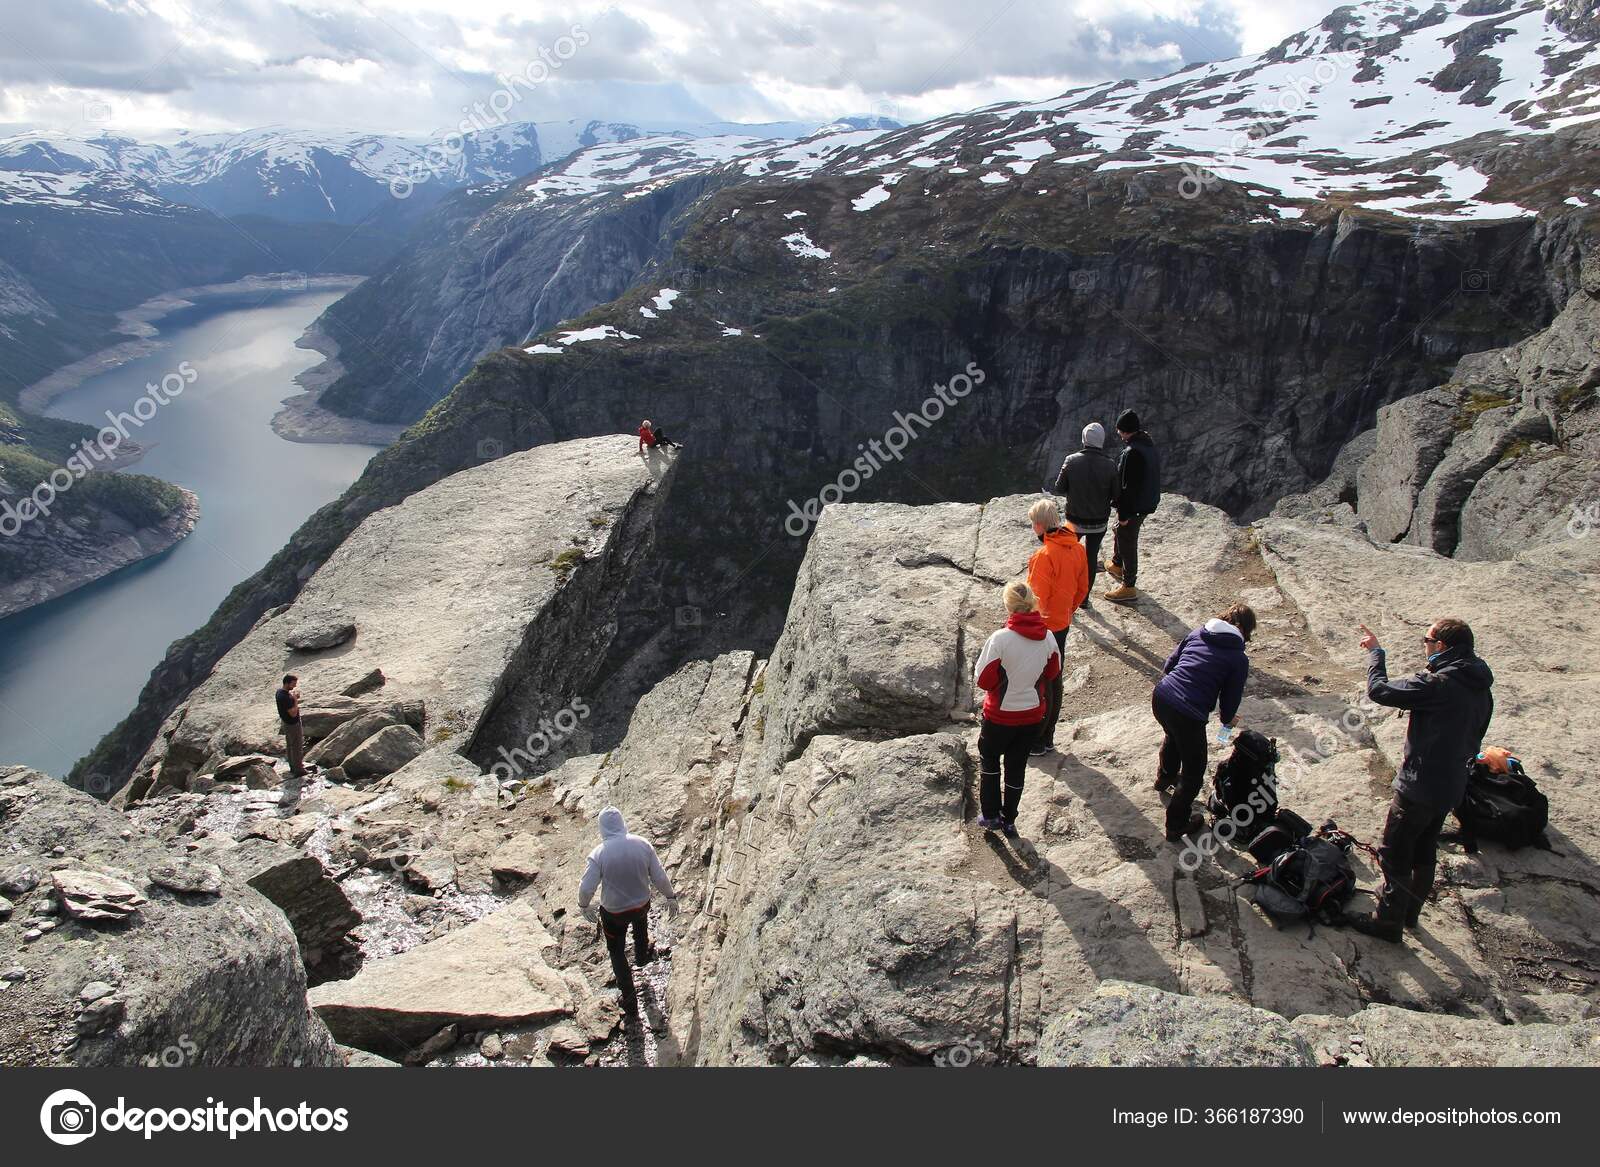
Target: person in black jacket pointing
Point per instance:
(1138, 493)
(1451, 702)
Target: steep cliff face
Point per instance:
(1502, 457)
(1109, 248)
(484, 273)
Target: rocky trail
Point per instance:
(815, 810)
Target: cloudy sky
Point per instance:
(415, 65)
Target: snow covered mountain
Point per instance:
(1460, 112)
(1389, 105)
(305, 175)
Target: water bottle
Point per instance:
(1224, 734)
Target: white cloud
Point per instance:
(414, 64)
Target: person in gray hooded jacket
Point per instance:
(1088, 480)
(623, 868)
(1451, 703)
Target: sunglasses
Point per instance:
(1431, 640)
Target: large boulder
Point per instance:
(314, 903)
(1504, 457)
(335, 747)
(1382, 1035)
(384, 752)
(136, 949)
(1413, 435)
(1122, 1024)
(486, 975)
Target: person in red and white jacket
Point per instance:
(1014, 672)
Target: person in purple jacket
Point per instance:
(1207, 671)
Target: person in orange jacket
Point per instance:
(1058, 573)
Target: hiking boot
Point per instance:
(989, 824)
(656, 952)
(1123, 595)
(1197, 822)
(1378, 926)
(1009, 830)
(1039, 750)
(1114, 570)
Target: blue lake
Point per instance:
(71, 669)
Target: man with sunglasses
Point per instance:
(1450, 703)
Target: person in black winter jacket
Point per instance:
(1451, 703)
(1138, 494)
(1088, 480)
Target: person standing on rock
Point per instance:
(1138, 495)
(1207, 670)
(1088, 481)
(623, 868)
(1014, 672)
(1058, 573)
(294, 736)
(1451, 703)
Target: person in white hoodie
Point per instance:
(623, 868)
(1014, 672)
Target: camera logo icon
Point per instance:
(1474, 280)
(687, 616)
(68, 1117)
(490, 448)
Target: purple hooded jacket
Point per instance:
(1208, 668)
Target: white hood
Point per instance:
(1220, 626)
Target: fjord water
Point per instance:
(72, 668)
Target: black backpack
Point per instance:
(1312, 880)
(1247, 778)
(1507, 808)
(1286, 830)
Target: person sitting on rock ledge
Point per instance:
(665, 442)
(1451, 703)
(1207, 670)
(294, 735)
(647, 436)
(1058, 573)
(1014, 670)
(623, 868)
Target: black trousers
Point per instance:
(1091, 548)
(1125, 549)
(615, 926)
(1182, 761)
(1052, 714)
(1008, 745)
(1409, 856)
